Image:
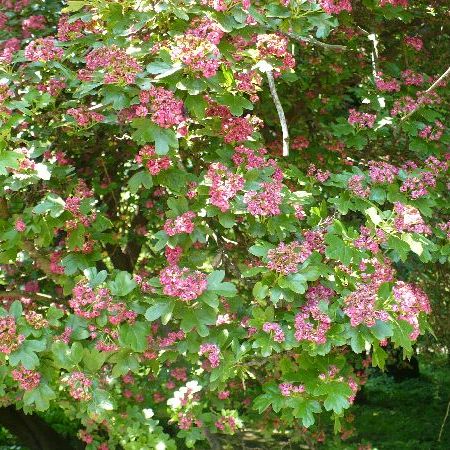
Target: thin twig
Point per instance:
(431, 88)
(280, 111)
(443, 422)
(314, 41)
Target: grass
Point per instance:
(406, 415)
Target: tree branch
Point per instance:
(280, 111)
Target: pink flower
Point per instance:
(413, 41)
(363, 120)
(43, 49)
(225, 185)
(20, 226)
(115, 63)
(335, 6)
(183, 283)
(212, 352)
(181, 224)
(27, 379)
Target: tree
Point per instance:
(210, 208)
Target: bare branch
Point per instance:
(280, 111)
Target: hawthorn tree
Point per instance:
(213, 213)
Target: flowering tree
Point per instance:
(210, 210)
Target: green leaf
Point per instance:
(236, 103)
(39, 397)
(159, 309)
(9, 160)
(401, 247)
(93, 360)
(123, 284)
(148, 132)
(142, 178)
(401, 335)
(260, 290)
(74, 5)
(338, 250)
(134, 336)
(381, 330)
(379, 357)
(95, 278)
(216, 285)
(16, 309)
(52, 204)
(26, 355)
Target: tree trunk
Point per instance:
(33, 432)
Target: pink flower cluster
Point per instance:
(43, 49)
(288, 389)
(172, 338)
(355, 185)
(391, 85)
(278, 334)
(320, 175)
(181, 224)
(199, 54)
(166, 110)
(311, 324)
(275, 46)
(408, 219)
(285, 258)
(33, 23)
(226, 423)
(36, 320)
(361, 305)
(68, 31)
(224, 185)
(413, 41)
(382, 172)
(154, 163)
(431, 133)
(89, 303)
(27, 379)
(236, 129)
(407, 104)
(20, 225)
(173, 255)
(253, 159)
(445, 227)
(9, 339)
(9, 48)
(411, 78)
(362, 119)
(369, 242)
(207, 29)
(335, 6)
(53, 86)
(115, 63)
(249, 82)
(79, 386)
(410, 301)
(212, 352)
(182, 283)
(299, 143)
(84, 117)
(266, 202)
(15, 5)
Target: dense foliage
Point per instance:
(213, 212)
